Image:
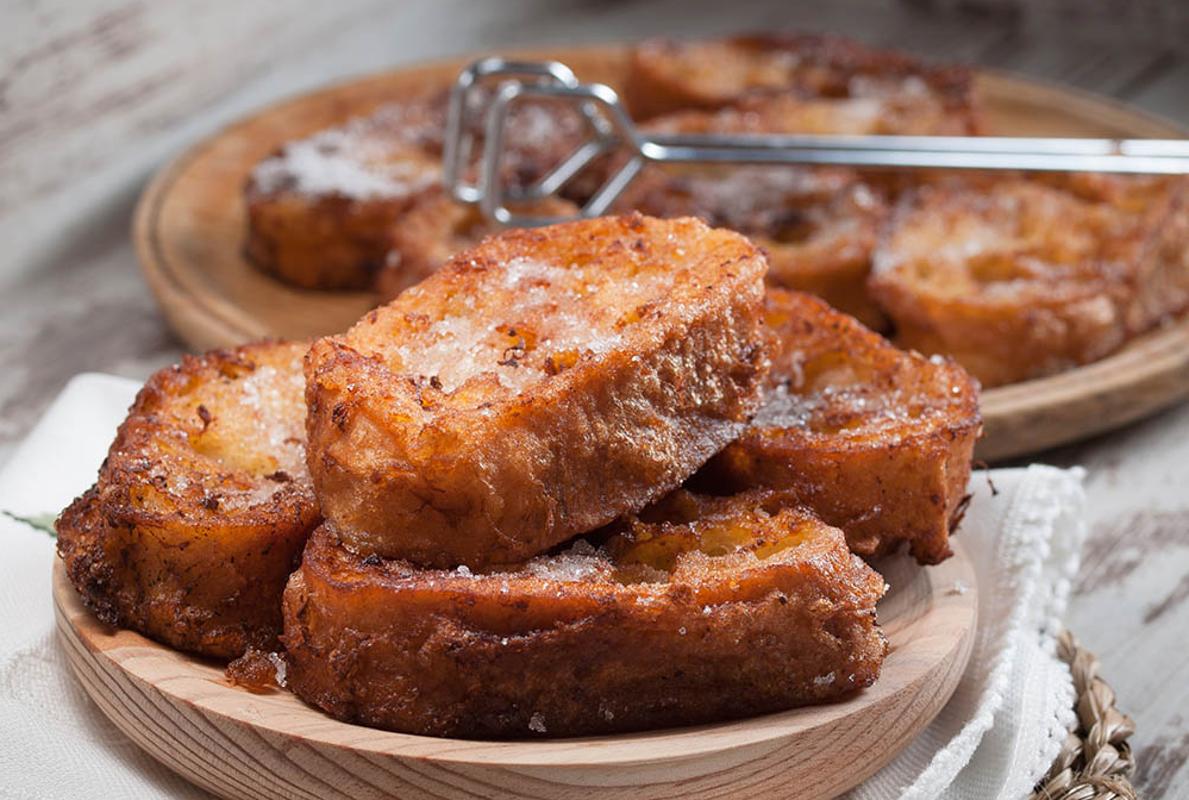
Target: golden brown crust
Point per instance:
(712, 609)
(203, 504)
(327, 243)
(435, 228)
(536, 387)
(817, 227)
(1018, 278)
(319, 209)
(875, 440)
(819, 80)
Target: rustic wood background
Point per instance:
(95, 94)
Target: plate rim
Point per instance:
(132, 655)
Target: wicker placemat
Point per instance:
(1095, 762)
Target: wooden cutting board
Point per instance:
(237, 744)
(191, 221)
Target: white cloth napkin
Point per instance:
(996, 736)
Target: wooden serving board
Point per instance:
(190, 226)
(242, 745)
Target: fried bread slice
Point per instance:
(203, 505)
(536, 387)
(829, 79)
(700, 610)
(1018, 278)
(321, 209)
(818, 227)
(873, 439)
(436, 228)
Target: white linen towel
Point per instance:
(994, 739)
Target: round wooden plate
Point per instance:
(191, 221)
(243, 745)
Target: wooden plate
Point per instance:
(190, 225)
(242, 745)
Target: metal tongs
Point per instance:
(612, 130)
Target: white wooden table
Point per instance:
(95, 95)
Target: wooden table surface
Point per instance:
(93, 98)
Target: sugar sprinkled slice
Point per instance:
(369, 157)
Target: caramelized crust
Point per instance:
(436, 228)
(823, 80)
(875, 440)
(202, 506)
(817, 227)
(536, 387)
(1019, 278)
(705, 609)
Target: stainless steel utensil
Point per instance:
(613, 129)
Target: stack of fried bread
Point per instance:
(583, 479)
(971, 267)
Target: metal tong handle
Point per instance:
(613, 129)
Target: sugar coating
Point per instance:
(270, 392)
(280, 668)
(882, 86)
(582, 561)
(534, 126)
(367, 158)
(784, 409)
(552, 320)
(228, 437)
(845, 402)
(842, 411)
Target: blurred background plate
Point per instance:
(191, 222)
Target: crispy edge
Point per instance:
(145, 570)
(436, 653)
(496, 489)
(883, 491)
